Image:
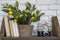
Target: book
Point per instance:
(6, 26)
(15, 29)
(11, 28)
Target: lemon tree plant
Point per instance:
(30, 14)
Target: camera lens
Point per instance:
(46, 34)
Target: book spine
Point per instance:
(11, 28)
(16, 29)
(6, 26)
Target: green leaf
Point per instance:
(5, 10)
(33, 8)
(5, 5)
(19, 11)
(42, 14)
(38, 12)
(27, 8)
(28, 4)
(16, 4)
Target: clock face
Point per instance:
(43, 27)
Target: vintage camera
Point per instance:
(43, 30)
(43, 33)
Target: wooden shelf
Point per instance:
(29, 38)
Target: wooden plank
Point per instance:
(30, 38)
(2, 29)
(40, 38)
(55, 27)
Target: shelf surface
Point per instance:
(30, 38)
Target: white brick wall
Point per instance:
(43, 1)
(42, 7)
(31, 1)
(49, 7)
(54, 7)
(58, 1)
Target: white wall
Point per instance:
(49, 7)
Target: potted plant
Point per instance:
(23, 17)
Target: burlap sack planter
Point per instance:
(26, 30)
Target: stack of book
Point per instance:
(10, 27)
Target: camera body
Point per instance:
(44, 34)
(43, 30)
